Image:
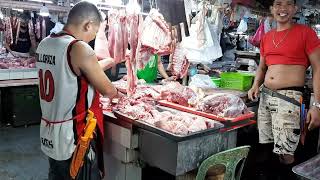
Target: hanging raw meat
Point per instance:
(118, 35)
(8, 31)
(155, 38)
(101, 42)
(179, 65)
(38, 29)
(31, 34)
(133, 21)
(44, 29)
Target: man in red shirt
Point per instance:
(286, 53)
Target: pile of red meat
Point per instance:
(170, 91)
(17, 63)
(176, 123)
(179, 123)
(223, 105)
(177, 93)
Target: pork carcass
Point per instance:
(155, 38)
(101, 42)
(133, 23)
(223, 104)
(8, 31)
(179, 65)
(118, 35)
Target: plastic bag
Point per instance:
(223, 105)
(201, 81)
(205, 54)
(256, 39)
(243, 26)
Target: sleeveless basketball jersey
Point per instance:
(64, 96)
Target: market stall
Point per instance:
(210, 51)
(158, 127)
(22, 27)
(200, 46)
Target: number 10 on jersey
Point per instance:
(46, 84)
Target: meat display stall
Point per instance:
(131, 143)
(128, 146)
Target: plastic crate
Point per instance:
(216, 81)
(236, 80)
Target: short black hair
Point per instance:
(84, 11)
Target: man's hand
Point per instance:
(313, 118)
(253, 93)
(171, 78)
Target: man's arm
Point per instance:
(258, 80)
(315, 64)
(161, 69)
(106, 63)
(314, 113)
(84, 61)
(261, 72)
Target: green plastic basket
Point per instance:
(216, 81)
(236, 80)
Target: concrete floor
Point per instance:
(20, 155)
(22, 159)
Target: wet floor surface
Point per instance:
(20, 154)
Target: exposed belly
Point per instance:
(282, 76)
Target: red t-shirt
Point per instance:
(294, 46)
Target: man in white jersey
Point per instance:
(70, 82)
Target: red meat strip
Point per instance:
(179, 65)
(118, 35)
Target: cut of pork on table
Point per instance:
(177, 93)
(170, 91)
(223, 105)
(17, 63)
(177, 123)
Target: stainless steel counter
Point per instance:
(18, 82)
(128, 147)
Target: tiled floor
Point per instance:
(20, 154)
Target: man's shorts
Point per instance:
(279, 122)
